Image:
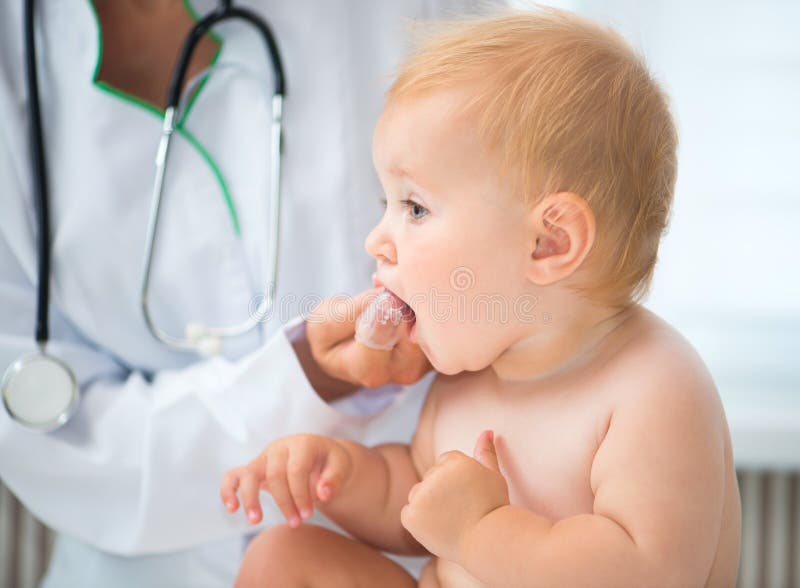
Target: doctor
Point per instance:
(154, 421)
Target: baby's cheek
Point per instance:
(479, 343)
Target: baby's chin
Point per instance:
(437, 361)
(451, 362)
(452, 368)
(446, 369)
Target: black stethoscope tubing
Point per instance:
(39, 179)
(224, 12)
(36, 138)
(45, 365)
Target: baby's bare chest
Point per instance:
(545, 441)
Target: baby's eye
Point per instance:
(416, 210)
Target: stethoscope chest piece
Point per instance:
(40, 392)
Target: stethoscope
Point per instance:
(39, 390)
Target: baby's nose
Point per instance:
(380, 246)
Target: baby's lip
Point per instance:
(394, 300)
(378, 283)
(407, 313)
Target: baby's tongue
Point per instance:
(392, 299)
(396, 303)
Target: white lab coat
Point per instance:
(131, 483)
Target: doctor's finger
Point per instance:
(334, 319)
(369, 367)
(408, 363)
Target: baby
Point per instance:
(571, 438)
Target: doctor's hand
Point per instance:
(299, 471)
(453, 496)
(330, 329)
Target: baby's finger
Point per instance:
(248, 490)
(279, 488)
(228, 488)
(298, 471)
(332, 476)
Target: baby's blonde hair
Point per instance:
(566, 105)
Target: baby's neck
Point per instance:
(570, 335)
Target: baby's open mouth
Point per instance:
(402, 312)
(398, 305)
(381, 324)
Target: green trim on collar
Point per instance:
(158, 112)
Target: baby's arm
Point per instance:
(362, 489)
(369, 506)
(658, 478)
(366, 506)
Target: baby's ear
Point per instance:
(562, 234)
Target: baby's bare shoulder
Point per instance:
(654, 359)
(657, 382)
(666, 444)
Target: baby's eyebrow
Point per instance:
(430, 196)
(403, 173)
(399, 170)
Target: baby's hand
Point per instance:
(453, 496)
(296, 470)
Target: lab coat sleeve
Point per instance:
(137, 469)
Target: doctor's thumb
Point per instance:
(485, 452)
(333, 320)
